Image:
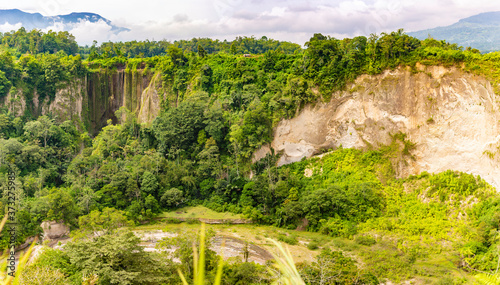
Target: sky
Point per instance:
(289, 20)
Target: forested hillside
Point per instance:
(218, 104)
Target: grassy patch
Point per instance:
(199, 212)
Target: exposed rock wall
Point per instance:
(107, 92)
(93, 100)
(452, 116)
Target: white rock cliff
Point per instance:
(453, 118)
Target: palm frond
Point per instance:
(285, 264)
(488, 279)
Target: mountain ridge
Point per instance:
(483, 18)
(481, 31)
(38, 21)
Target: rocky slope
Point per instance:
(453, 118)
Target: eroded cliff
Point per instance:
(453, 118)
(94, 99)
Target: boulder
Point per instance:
(54, 230)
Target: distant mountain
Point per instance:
(38, 21)
(480, 31)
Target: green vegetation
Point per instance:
(218, 108)
(202, 46)
(36, 41)
(199, 212)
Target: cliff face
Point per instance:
(453, 117)
(94, 99)
(107, 92)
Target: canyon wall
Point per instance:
(94, 99)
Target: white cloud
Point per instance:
(9, 27)
(56, 27)
(351, 7)
(298, 23)
(275, 12)
(86, 32)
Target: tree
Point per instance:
(117, 259)
(57, 205)
(206, 81)
(209, 163)
(179, 127)
(332, 267)
(87, 198)
(150, 203)
(356, 202)
(172, 198)
(216, 125)
(176, 55)
(233, 48)
(40, 129)
(149, 184)
(201, 51)
(254, 130)
(102, 223)
(5, 84)
(10, 149)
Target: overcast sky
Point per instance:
(290, 20)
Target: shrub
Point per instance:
(173, 221)
(365, 240)
(292, 240)
(312, 245)
(336, 227)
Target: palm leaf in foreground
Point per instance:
(199, 264)
(488, 279)
(285, 264)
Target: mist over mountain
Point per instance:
(16, 17)
(481, 31)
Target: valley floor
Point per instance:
(383, 256)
